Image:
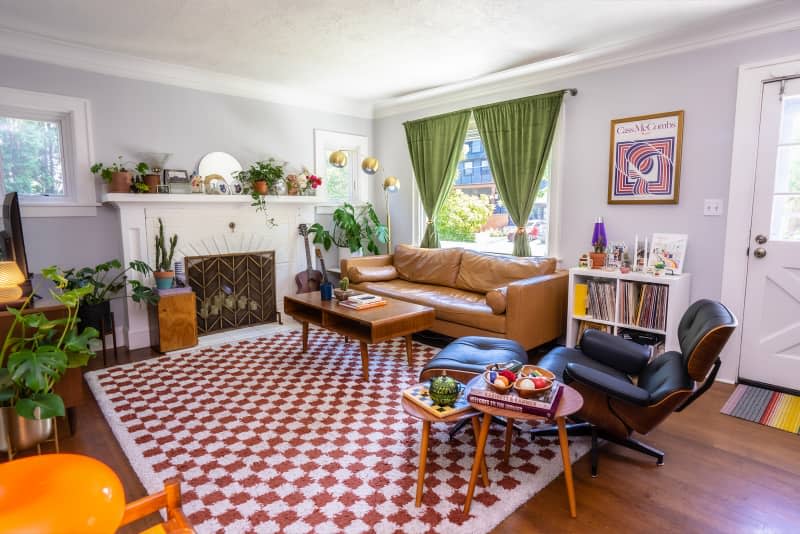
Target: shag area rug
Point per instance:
(267, 439)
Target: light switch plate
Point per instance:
(712, 207)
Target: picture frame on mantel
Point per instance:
(645, 159)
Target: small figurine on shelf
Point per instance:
(599, 242)
(584, 262)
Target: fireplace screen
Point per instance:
(233, 290)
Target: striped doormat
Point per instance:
(766, 407)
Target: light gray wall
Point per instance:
(701, 82)
(129, 117)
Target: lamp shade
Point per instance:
(338, 159)
(370, 165)
(391, 184)
(10, 275)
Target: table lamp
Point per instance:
(10, 279)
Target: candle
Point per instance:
(636, 253)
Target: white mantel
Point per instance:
(202, 223)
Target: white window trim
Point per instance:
(553, 203)
(740, 195)
(325, 140)
(74, 114)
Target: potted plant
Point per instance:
(164, 271)
(343, 292)
(352, 227)
(303, 183)
(259, 180)
(95, 308)
(35, 355)
(117, 176)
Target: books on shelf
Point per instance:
(643, 305)
(544, 406)
(419, 396)
(363, 301)
(601, 299)
(580, 294)
(655, 342)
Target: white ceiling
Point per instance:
(361, 49)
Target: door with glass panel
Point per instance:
(771, 322)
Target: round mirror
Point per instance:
(220, 163)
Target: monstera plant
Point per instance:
(37, 352)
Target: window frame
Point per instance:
(73, 116)
(354, 144)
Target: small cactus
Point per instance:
(344, 283)
(164, 257)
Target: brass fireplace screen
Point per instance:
(233, 290)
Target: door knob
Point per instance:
(761, 239)
(760, 252)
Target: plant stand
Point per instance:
(104, 330)
(12, 453)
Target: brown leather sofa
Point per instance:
(474, 294)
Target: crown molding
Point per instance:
(38, 48)
(747, 24)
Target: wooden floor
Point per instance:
(721, 475)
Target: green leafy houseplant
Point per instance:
(352, 227)
(107, 171)
(258, 179)
(107, 285)
(37, 351)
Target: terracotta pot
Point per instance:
(152, 181)
(293, 191)
(24, 433)
(120, 182)
(164, 279)
(260, 187)
(598, 259)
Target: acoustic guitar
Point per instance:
(322, 264)
(310, 279)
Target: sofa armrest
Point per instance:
(610, 385)
(536, 309)
(366, 261)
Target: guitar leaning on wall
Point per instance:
(310, 279)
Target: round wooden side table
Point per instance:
(427, 418)
(571, 402)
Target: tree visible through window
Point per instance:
(473, 215)
(338, 181)
(31, 157)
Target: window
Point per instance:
(473, 215)
(45, 153)
(31, 156)
(346, 184)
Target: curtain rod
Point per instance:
(572, 91)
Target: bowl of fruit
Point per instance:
(501, 380)
(531, 386)
(535, 370)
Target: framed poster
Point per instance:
(669, 249)
(645, 159)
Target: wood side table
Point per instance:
(571, 402)
(173, 322)
(427, 418)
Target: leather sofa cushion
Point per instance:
(665, 374)
(454, 305)
(484, 272)
(429, 265)
(496, 299)
(363, 273)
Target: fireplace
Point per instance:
(232, 290)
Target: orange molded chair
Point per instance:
(70, 493)
(56, 493)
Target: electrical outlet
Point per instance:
(712, 207)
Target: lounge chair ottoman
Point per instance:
(467, 357)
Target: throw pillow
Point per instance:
(361, 273)
(496, 300)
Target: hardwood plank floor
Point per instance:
(721, 475)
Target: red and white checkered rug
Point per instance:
(267, 439)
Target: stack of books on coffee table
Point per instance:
(544, 406)
(363, 301)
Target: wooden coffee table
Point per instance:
(373, 325)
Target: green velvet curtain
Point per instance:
(517, 135)
(435, 145)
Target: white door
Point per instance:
(771, 322)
